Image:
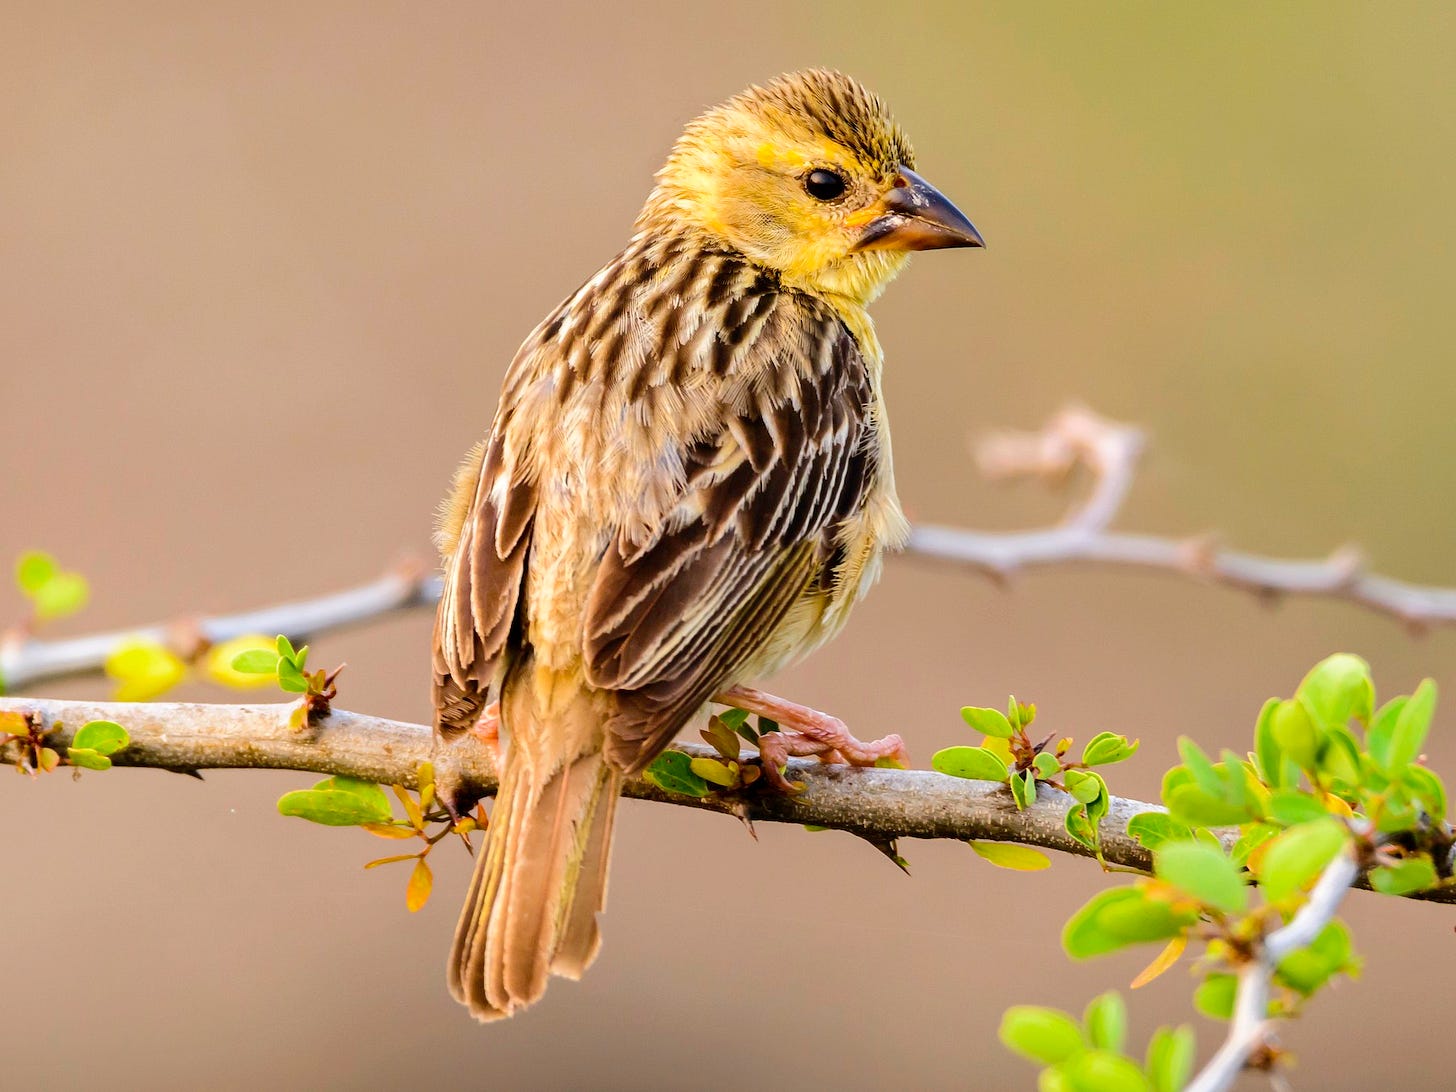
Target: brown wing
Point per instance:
(670, 619)
(483, 580)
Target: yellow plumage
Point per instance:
(688, 483)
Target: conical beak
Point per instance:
(914, 215)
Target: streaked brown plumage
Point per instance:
(687, 484)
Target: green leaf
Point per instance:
(1411, 874)
(105, 737)
(1427, 788)
(1289, 807)
(1119, 917)
(1336, 689)
(1300, 854)
(1108, 747)
(1103, 1071)
(975, 763)
(256, 661)
(1041, 1034)
(1200, 766)
(1153, 828)
(1382, 730)
(284, 647)
(1306, 969)
(1254, 835)
(1215, 996)
(1170, 1058)
(1084, 785)
(1106, 1021)
(1296, 734)
(989, 722)
(1194, 806)
(84, 756)
(672, 772)
(1079, 826)
(1012, 856)
(1274, 768)
(338, 802)
(1046, 765)
(1203, 873)
(1409, 734)
(62, 594)
(290, 678)
(1023, 788)
(33, 570)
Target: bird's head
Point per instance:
(810, 176)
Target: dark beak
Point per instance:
(914, 215)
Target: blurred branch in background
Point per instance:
(1073, 438)
(878, 805)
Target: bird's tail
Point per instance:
(539, 883)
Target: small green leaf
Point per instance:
(1023, 788)
(1289, 807)
(290, 678)
(1079, 826)
(1041, 1034)
(256, 661)
(1382, 730)
(33, 570)
(84, 756)
(1194, 806)
(1409, 735)
(1119, 917)
(1411, 874)
(1215, 996)
(1106, 1021)
(975, 763)
(284, 647)
(1046, 765)
(1153, 828)
(105, 737)
(1336, 689)
(989, 722)
(1103, 1071)
(1170, 1058)
(1306, 969)
(62, 594)
(1012, 856)
(1108, 747)
(1427, 788)
(1300, 854)
(1203, 873)
(672, 772)
(338, 802)
(1084, 785)
(1274, 767)
(1200, 766)
(1296, 734)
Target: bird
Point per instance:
(686, 486)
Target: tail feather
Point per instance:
(538, 886)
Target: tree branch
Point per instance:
(878, 805)
(1075, 437)
(1249, 1029)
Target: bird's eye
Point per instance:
(824, 185)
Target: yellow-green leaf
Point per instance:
(243, 663)
(1012, 856)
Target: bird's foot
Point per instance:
(805, 732)
(450, 790)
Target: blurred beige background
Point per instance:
(261, 268)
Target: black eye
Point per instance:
(824, 185)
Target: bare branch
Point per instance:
(1249, 1029)
(1075, 437)
(878, 805)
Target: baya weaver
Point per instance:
(687, 485)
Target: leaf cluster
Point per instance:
(289, 666)
(1087, 1055)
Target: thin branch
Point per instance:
(1075, 437)
(878, 805)
(1249, 1028)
